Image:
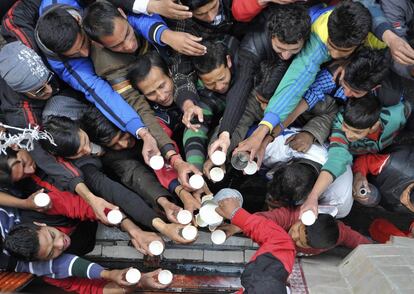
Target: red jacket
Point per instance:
(79, 285)
(286, 217)
(370, 164)
(246, 10)
(269, 235)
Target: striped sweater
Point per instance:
(341, 151)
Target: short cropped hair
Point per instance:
(99, 19)
(141, 68)
(22, 241)
(194, 4)
(269, 76)
(323, 233)
(215, 57)
(349, 24)
(58, 30)
(367, 69)
(65, 133)
(362, 113)
(289, 23)
(99, 129)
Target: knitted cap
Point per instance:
(21, 67)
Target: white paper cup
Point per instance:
(208, 213)
(133, 276)
(218, 157)
(184, 217)
(189, 232)
(218, 237)
(114, 216)
(165, 277)
(196, 182)
(156, 247)
(200, 222)
(308, 218)
(42, 200)
(251, 168)
(156, 162)
(216, 174)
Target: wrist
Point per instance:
(158, 224)
(225, 135)
(388, 36)
(106, 274)
(166, 36)
(176, 160)
(142, 133)
(151, 6)
(162, 200)
(187, 104)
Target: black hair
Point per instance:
(5, 170)
(22, 241)
(292, 183)
(349, 24)
(362, 113)
(215, 57)
(141, 68)
(367, 69)
(323, 233)
(65, 133)
(58, 30)
(99, 18)
(269, 77)
(99, 129)
(194, 4)
(289, 23)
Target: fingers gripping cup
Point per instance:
(218, 237)
(42, 200)
(218, 157)
(156, 162)
(165, 277)
(200, 222)
(308, 218)
(196, 182)
(156, 247)
(240, 160)
(133, 276)
(216, 174)
(189, 233)
(114, 216)
(184, 217)
(208, 213)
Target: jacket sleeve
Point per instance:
(370, 164)
(379, 22)
(269, 235)
(78, 285)
(129, 202)
(284, 217)
(135, 176)
(320, 124)
(323, 84)
(151, 27)
(238, 94)
(80, 75)
(66, 265)
(350, 238)
(395, 11)
(20, 21)
(245, 10)
(300, 75)
(339, 155)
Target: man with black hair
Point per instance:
(151, 77)
(325, 234)
(336, 33)
(60, 268)
(392, 173)
(363, 127)
(283, 35)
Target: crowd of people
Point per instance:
(147, 107)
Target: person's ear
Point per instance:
(122, 13)
(229, 63)
(375, 127)
(40, 224)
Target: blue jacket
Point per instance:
(80, 74)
